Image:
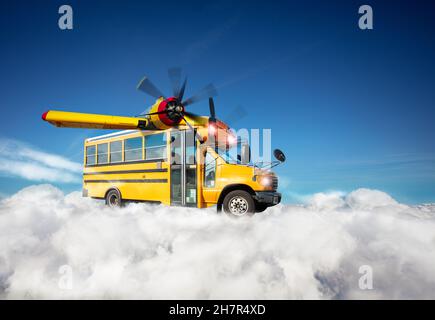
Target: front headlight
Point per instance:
(265, 181)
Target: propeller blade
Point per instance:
(208, 91)
(212, 109)
(181, 92)
(236, 114)
(175, 79)
(148, 87)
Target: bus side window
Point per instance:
(155, 146)
(115, 151)
(209, 170)
(133, 149)
(90, 155)
(102, 153)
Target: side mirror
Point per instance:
(279, 155)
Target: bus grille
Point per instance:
(274, 183)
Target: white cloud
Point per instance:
(326, 201)
(20, 160)
(369, 199)
(145, 251)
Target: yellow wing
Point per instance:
(92, 121)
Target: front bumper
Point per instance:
(268, 198)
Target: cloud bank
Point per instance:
(64, 246)
(21, 160)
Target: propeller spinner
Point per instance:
(171, 110)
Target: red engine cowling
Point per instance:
(174, 111)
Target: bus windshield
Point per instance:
(228, 155)
(238, 153)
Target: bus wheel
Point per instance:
(113, 199)
(239, 203)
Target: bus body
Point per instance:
(171, 167)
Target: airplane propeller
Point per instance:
(178, 90)
(175, 105)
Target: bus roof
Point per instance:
(111, 135)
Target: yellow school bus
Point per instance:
(173, 168)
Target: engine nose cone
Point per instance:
(174, 110)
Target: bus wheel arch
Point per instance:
(113, 197)
(240, 190)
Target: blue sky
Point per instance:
(350, 108)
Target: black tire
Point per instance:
(238, 203)
(260, 207)
(113, 199)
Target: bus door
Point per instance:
(183, 168)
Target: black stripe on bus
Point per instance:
(128, 181)
(125, 163)
(126, 171)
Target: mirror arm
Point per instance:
(275, 163)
